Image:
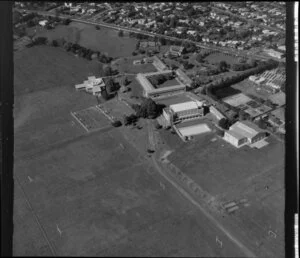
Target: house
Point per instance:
(245, 132)
(176, 50)
(192, 32)
(43, 22)
(274, 53)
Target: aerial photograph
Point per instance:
(149, 129)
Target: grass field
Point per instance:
(52, 67)
(101, 40)
(89, 196)
(252, 174)
(136, 87)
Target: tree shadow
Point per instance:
(226, 92)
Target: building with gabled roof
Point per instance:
(242, 133)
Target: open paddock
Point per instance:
(89, 37)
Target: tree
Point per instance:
(66, 21)
(111, 86)
(222, 66)
(121, 33)
(262, 124)
(125, 81)
(54, 43)
(162, 41)
(107, 71)
(105, 95)
(224, 123)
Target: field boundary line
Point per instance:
(79, 121)
(193, 201)
(36, 218)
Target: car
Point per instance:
(116, 123)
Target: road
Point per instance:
(117, 27)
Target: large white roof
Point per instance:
(186, 106)
(245, 129)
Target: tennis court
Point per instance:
(237, 99)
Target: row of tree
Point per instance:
(226, 82)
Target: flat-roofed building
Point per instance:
(184, 78)
(216, 113)
(242, 133)
(176, 50)
(185, 111)
(150, 91)
(159, 64)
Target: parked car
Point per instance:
(116, 123)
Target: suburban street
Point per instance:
(117, 27)
(247, 20)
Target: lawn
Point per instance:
(52, 67)
(99, 40)
(136, 87)
(168, 83)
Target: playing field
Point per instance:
(87, 36)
